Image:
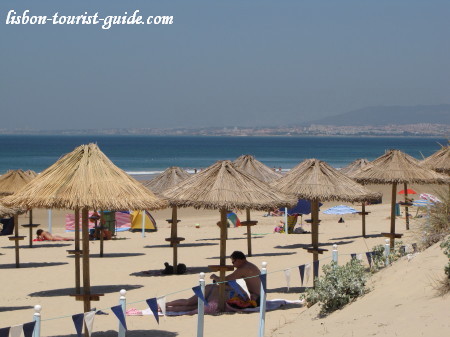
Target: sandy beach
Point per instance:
(401, 302)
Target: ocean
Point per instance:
(144, 156)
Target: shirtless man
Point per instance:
(244, 269)
(43, 235)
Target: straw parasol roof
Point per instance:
(85, 178)
(315, 179)
(439, 161)
(257, 169)
(13, 180)
(354, 167)
(223, 185)
(31, 173)
(396, 166)
(171, 177)
(8, 212)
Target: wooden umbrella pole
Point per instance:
(393, 201)
(406, 206)
(363, 208)
(223, 249)
(86, 276)
(315, 231)
(31, 228)
(77, 250)
(102, 221)
(16, 241)
(174, 235)
(249, 233)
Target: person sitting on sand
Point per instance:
(46, 236)
(244, 269)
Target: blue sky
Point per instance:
(221, 63)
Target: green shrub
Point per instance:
(378, 258)
(445, 245)
(338, 286)
(436, 226)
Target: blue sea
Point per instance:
(149, 155)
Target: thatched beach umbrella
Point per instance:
(224, 187)
(31, 173)
(249, 164)
(396, 167)
(350, 170)
(317, 181)
(439, 161)
(6, 211)
(11, 182)
(354, 167)
(81, 180)
(171, 177)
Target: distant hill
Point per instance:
(385, 115)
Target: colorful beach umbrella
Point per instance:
(407, 191)
(341, 209)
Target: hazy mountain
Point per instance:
(384, 115)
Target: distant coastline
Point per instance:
(406, 130)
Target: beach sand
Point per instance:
(402, 301)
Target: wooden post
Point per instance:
(86, 276)
(77, 249)
(223, 249)
(16, 242)
(249, 234)
(405, 185)
(393, 201)
(315, 231)
(102, 222)
(363, 208)
(174, 235)
(31, 228)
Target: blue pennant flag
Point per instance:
(369, 258)
(118, 311)
(28, 329)
(4, 332)
(153, 305)
(233, 284)
(78, 320)
(198, 292)
(263, 278)
(316, 268)
(353, 256)
(302, 272)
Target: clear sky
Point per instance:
(221, 63)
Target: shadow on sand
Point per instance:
(283, 290)
(358, 236)
(130, 333)
(218, 239)
(262, 254)
(111, 255)
(31, 265)
(183, 245)
(105, 289)
(157, 272)
(2, 309)
(307, 245)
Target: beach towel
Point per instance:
(213, 308)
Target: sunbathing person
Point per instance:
(244, 269)
(46, 236)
